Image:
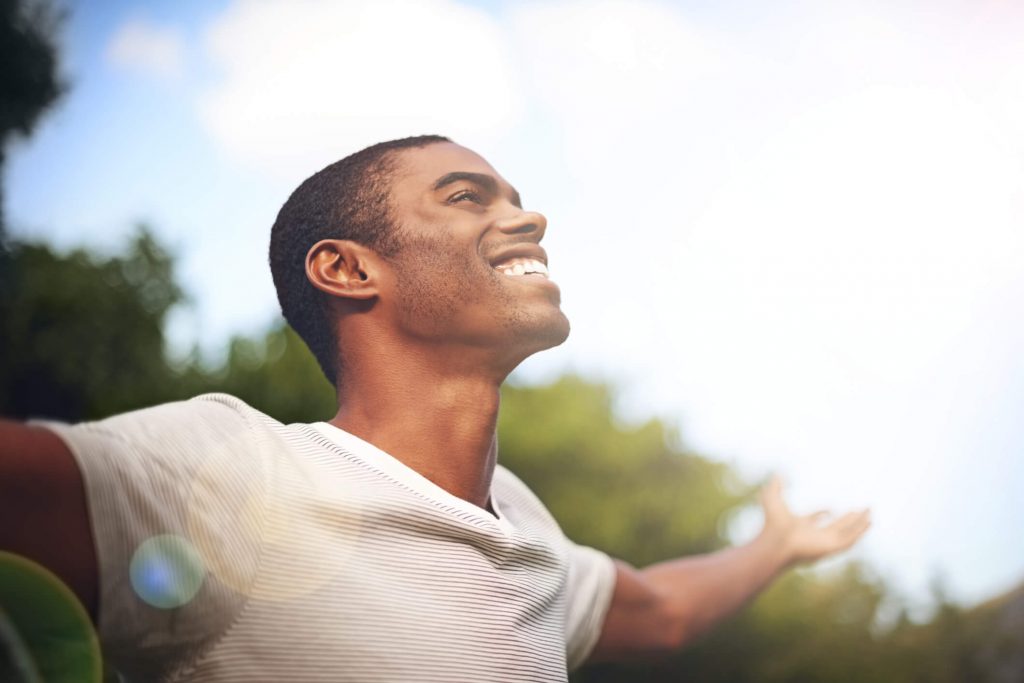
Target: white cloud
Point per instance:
(304, 83)
(617, 75)
(612, 59)
(856, 256)
(147, 49)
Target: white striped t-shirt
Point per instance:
(232, 547)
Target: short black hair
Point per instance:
(348, 200)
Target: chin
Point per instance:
(527, 345)
(545, 334)
(562, 332)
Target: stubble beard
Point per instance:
(437, 287)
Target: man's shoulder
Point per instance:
(212, 442)
(216, 411)
(203, 424)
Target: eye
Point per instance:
(466, 195)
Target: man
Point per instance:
(210, 542)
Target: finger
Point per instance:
(771, 493)
(848, 518)
(854, 519)
(842, 524)
(838, 542)
(853, 526)
(862, 524)
(854, 534)
(818, 516)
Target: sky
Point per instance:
(794, 229)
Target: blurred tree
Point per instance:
(276, 374)
(996, 640)
(82, 336)
(630, 490)
(29, 80)
(807, 627)
(984, 643)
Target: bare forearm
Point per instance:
(658, 609)
(43, 508)
(702, 590)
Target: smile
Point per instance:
(518, 267)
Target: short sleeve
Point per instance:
(168, 489)
(589, 594)
(590, 576)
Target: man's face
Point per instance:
(466, 273)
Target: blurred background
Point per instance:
(789, 237)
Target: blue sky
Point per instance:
(794, 231)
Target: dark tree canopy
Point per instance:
(30, 79)
(82, 335)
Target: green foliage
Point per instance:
(29, 80)
(809, 627)
(276, 374)
(628, 490)
(82, 336)
(982, 644)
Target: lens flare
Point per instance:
(274, 515)
(166, 571)
(45, 633)
(16, 662)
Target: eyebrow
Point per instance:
(482, 179)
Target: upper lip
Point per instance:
(525, 250)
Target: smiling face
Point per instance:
(469, 273)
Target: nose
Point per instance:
(530, 223)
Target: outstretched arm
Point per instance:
(657, 609)
(43, 513)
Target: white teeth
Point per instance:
(522, 266)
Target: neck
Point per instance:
(440, 424)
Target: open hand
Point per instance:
(810, 537)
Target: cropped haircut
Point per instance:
(348, 200)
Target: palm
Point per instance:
(809, 537)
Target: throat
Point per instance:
(445, 432)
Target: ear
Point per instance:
(343, 268)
